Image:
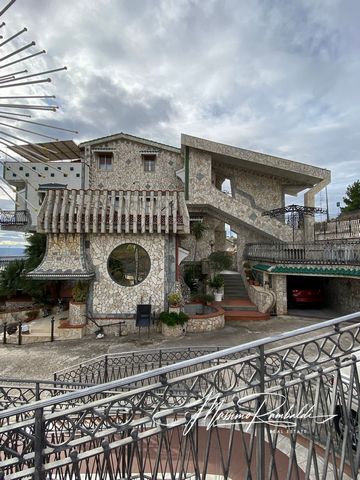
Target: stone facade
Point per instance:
(279, 286)
(82, 248)
(175, 331)
(64, 258)
(262, 192)
(106, 296)
(235, 211)
(206, 323)
(128, 168)
(263, 298)
(77, 313)
(343, 294)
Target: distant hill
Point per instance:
(11, 251)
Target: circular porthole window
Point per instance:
(129, 264)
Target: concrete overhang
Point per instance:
(303, 175)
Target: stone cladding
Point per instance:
(109, 297)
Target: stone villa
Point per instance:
(118, 210)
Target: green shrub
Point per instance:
(79, 292)
(220, 261)
(202, 298)
(171, 319)
(217, 282)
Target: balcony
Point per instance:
(319, 253)
(14, 218)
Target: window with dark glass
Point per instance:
(105, 160)
(149, 162)
(129, 264)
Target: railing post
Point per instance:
(52, 329)
(106, 369)
(261, 410)
(39, 473)
(4, 337)
(20, 333)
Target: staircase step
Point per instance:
(245, 316)
(247, 308)
(236, 294)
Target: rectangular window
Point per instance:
(149, 163)
(105, 161)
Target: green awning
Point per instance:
(309, 270)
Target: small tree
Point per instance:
(11, 278)
(352, 199)
(197, 229)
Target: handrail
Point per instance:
(334, 252)
(171, 368)
(137, 352)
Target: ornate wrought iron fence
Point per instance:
(114, 366)
(334, 252)
(281, 408)
(337, 229)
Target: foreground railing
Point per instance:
(330, 253)
(281, 408)
(114, 366)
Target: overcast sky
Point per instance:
(276, 76)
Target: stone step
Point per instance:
(235, 294)
(244, 316)
(237, 308)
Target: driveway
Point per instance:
(40, 360)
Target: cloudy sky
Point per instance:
(276, 76)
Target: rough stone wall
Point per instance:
(343, 294)
(128, 169)
(279, 286)
(109, 297)
(246, 235)
(64, 252)
(260, 191)
(199, 325)
(77, 313)
(264, 298)
(234, 210)
(204, 244)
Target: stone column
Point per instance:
(279, 284)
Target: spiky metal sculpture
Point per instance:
(16, 105)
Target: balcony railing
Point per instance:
(328, 253)
(335, 229)
(277, 408)
(14, 217)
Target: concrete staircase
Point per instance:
(236, 303)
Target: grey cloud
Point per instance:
(273, 76)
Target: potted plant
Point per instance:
(173, 323)
(217, 284)
(174, 299)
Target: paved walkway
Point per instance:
(41, 360)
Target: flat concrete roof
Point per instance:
(300, 173)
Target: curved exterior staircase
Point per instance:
(236, 303)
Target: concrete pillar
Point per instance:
(279, 285)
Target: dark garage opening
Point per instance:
(308, 296)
